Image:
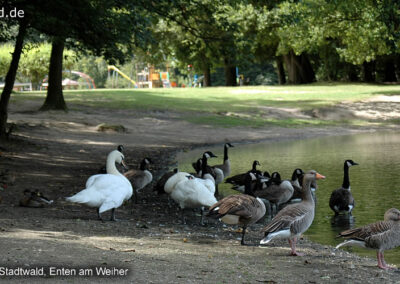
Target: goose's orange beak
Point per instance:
(319, 176)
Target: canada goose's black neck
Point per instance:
(254, 169)
(247, 185)
(143, 165)
(346, 179)
(225, 152)
(306, 195)
(204, 166)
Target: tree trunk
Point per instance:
(352, 73)
(299, 68)
(207, 77)
(369, 71)
(280, 70)
(10, 78)
(389, 70)
(230, 73)
(55, 97)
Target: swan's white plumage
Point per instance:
(207, 183)
(174, 180)
(105, 191)
(191, 193)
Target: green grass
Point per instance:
(240, 106)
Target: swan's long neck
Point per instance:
(346, 179)
(111, 168)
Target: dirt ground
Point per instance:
(56, 152)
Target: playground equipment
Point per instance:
(115, 73)
(152, 78)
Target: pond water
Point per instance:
(375, 182)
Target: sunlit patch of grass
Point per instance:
(212, 105)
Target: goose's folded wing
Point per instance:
(241, 205)
(290, 215)
(367, 231)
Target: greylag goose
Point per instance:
(140, 178)
(294, 219)
(226, 166)
(381, 235)
(341, 199)
(34, 199)
(238, 209)
(106, 191)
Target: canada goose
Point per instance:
(294, 219)
(197, 165)
(190, 193)
(341, 199)
(381, 235)
(159, 187)
(140, 178)
(209, 173)
(240, 178)
(106, 191)
(297, 176)
(226, 166)
(34, 199)
(277, 192)
(238, 209)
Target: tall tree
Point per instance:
(10, 77)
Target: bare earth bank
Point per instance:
(56, 152)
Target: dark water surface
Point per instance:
(375, 182)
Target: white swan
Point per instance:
(191, 193)
(106, 191)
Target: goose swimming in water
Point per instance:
(341, 199)
(106, 191)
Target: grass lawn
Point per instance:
(223, 106)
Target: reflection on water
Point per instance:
(375, 182)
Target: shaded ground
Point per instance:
(56, 152)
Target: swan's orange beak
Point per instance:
(319, 176)
(124, 165)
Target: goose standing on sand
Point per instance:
(140, 178)
(106, 191)
(294, 219)
(191, 193)
(341, 199)
(239, 180)
(226, 166)
(382, 235)
(239, 209)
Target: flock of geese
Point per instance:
(290, 202)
